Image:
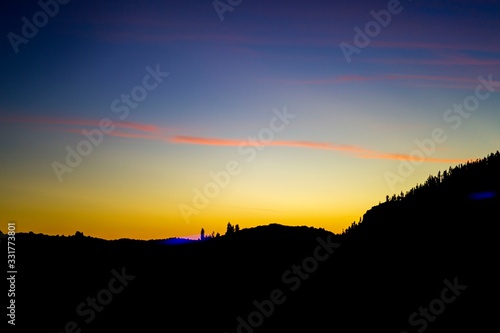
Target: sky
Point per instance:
(154, 119)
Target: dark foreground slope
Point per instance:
(425, 261)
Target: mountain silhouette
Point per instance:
(423, 261)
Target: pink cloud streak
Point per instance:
(451, 61)
(156, 133)
(452, 82)
(82, 122)
(357, 151)
(434, 46)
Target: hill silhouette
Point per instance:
(432, 248)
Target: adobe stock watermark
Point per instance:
(372, 29)
(121, 106)
(92, 305)
(228, 6)
(222, 178)
(11, 272)
(29, 30)
(292, 278)
(425, 315)
(453, 116)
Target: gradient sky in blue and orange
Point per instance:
(354, 122)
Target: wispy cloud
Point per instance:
(79, 122)
(358, 152)
(134, 130)
(122, 134)
(131, 130)
(452, 82)
(206, 141)
(431, 78)
(457, 60)
(435, 46)
(237, 143)
(331, 80)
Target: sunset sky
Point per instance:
(154, 119)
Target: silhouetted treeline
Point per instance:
(480, 174)
(230, 230)
(458, 176)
